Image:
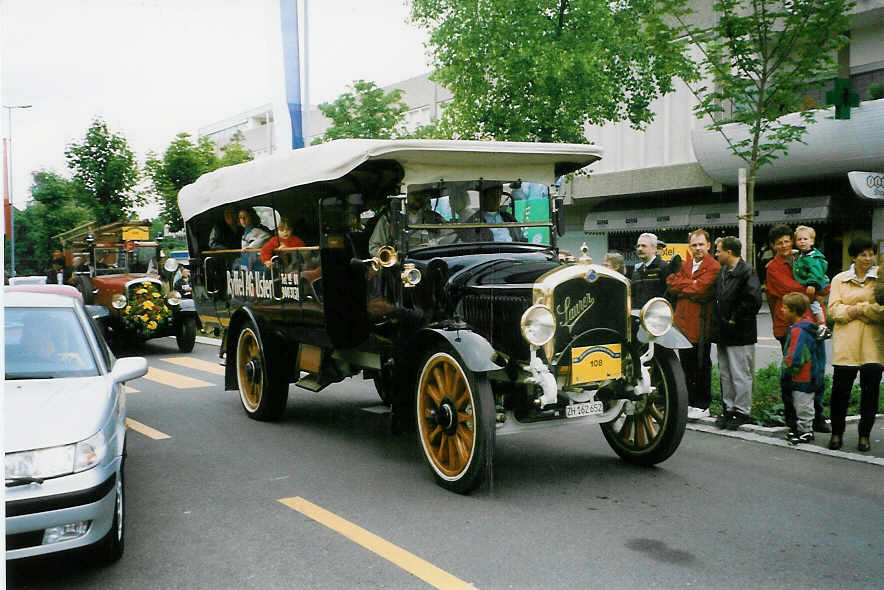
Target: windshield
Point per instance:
(46, 343)
(118, 260)
(478, 211)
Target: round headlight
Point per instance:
(171, 265)
(118, 301)
(174, 297)
(656, 316)
(411, 275)
(538, 325)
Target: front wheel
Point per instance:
(110, 548)
(455, 422)
(262, 392)
(649, 430)
(185, 334)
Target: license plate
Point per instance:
(585, 409)
(595, 363)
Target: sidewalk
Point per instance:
(776, 436)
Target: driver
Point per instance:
(490, 212)
(417, 212)
(108, 260)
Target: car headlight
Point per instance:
(119, 301)
(174, 297)
(538, 325)
(57, 461)
(170, 265)
(656, 316)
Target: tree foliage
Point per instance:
(758, 61)
(541, 70)
(366, 112)
(182, 163)
(105, 172)
(54, 208)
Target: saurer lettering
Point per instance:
(570, 313)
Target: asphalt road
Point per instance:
(204, 510)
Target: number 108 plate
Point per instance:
(584, 409)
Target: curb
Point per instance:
(773, 436)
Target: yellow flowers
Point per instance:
(146, 312)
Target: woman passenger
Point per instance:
(254, 235)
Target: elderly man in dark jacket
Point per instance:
(737, 301)
(648, 277)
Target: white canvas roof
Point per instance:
(422, 160)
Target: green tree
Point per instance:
(758, 61)
(105, 172)
(540, 70)
(367, 112)
(182, 163)
(52, 210)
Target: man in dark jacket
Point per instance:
(648, 277)
(58, 273)
(737, 301)
(490, 212)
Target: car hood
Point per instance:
(41, 413)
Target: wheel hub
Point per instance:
(445, 416)
(252, 369)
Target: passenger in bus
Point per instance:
(284, 238)
(254, 234)
(226, 234)
(490, 212)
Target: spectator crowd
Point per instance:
(717, 295)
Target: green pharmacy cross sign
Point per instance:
(843, 98)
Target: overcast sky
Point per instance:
(154, 68)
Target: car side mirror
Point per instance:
(126, 369)
(560, 216)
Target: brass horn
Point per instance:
(387, 257)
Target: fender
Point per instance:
(673, 339)
(476, 352)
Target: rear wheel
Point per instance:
(649, 430)
(262, 392)
(455, 421)
(185, 334)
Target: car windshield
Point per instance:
(479, 211)
(117, 260)
(46, 343)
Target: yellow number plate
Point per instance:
(595, 363)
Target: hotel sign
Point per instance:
(867, 184)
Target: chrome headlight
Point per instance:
(118, 301)
(411, 275)
(538, 325)
(170, 265)
(174, 297)
(57, 461)
(656, 317)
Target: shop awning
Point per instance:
(706, 215)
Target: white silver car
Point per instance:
(65, 426)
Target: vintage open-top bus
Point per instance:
(432, 268)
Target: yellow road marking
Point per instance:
(174, 379)
(411, 563)
(145, 430)
(193, 363)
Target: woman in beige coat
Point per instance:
(858, 341)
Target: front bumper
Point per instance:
(32, 508)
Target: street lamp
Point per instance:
(9, 108)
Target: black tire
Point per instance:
(185, 334)
(261, 390)
(653, 432)
(110, 548)
(455, 421)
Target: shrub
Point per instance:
(767, 405)
(876, 91)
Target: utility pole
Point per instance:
(11, 194)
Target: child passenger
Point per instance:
(803, 364)
(284, 238)
(809, 269)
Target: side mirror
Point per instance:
(126, 369)
(560, 215)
